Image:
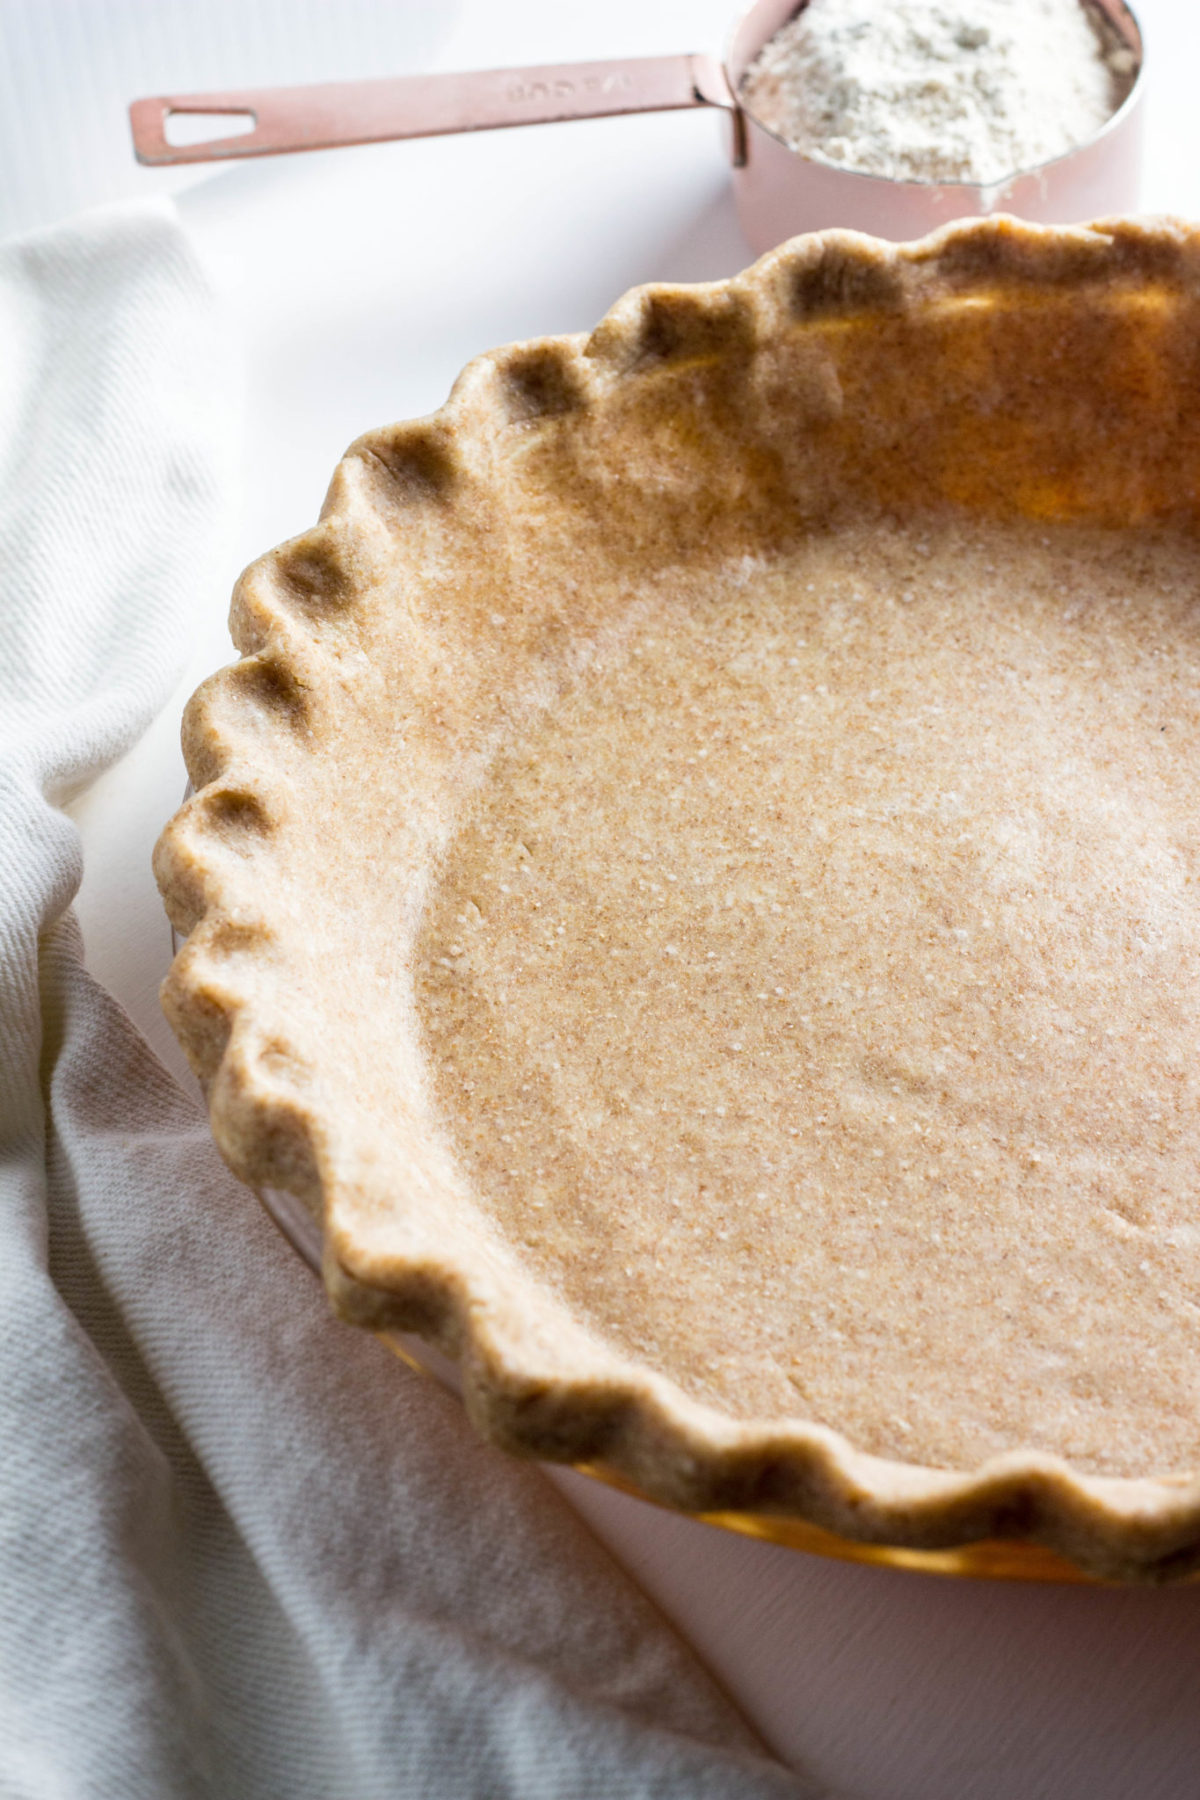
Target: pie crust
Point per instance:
(750, 1133)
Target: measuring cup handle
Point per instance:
(366, 112)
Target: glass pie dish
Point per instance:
(689, 890)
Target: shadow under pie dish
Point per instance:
(693, 884)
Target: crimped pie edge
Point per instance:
(271, 1130)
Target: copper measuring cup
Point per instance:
(779, 191)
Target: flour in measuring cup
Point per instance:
(956, 90)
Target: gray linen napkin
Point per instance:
(243, 1552)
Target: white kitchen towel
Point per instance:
(243, 1552)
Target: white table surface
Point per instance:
(357, 283)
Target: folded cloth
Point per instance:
(243, 1551)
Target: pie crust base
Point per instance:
(811, 992)
(700, 1172)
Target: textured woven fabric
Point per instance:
(243, 1552)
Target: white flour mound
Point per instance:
(956, 90)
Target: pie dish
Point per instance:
(692, 883)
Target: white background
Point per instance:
(357, 283)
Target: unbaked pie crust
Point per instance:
(694, 883)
